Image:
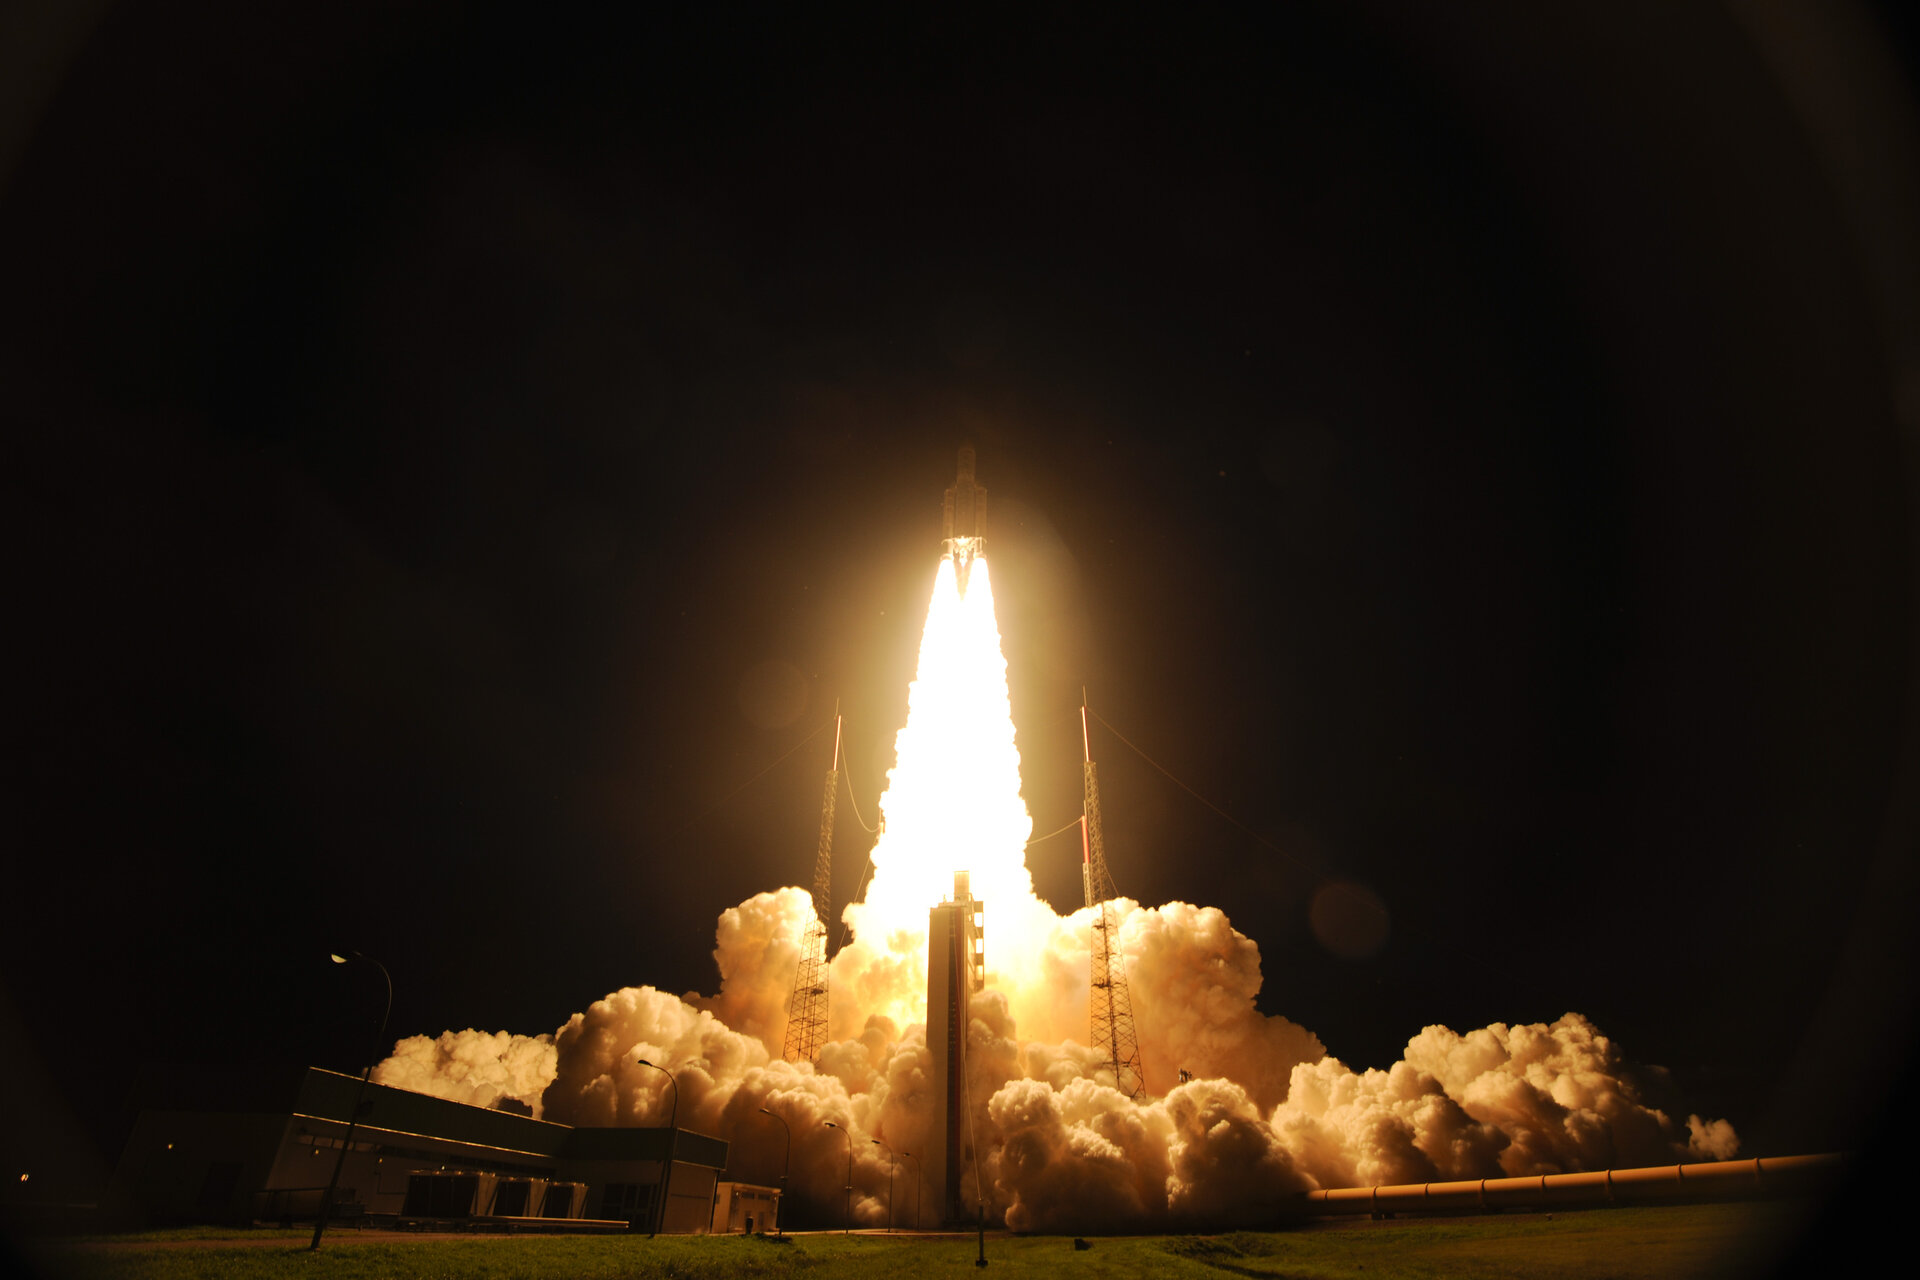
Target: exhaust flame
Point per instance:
(1266, 1113)
(952, 804)
(953, 796)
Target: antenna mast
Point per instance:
(807, 1009)
(1113, 1030)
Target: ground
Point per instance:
(1653, 1243)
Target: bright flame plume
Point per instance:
(952, 804)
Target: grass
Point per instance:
(1653, 1243)
(171, 1235)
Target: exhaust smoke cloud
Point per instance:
(1266, 1113)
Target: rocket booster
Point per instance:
(964, 524)
(966, 515)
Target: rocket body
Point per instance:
(963, 532)
(966, 508)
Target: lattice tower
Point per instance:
(1113, 1029)
(807, 1009)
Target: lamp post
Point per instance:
(846, 1222)
(326, 1201)
(908, 1155)
(981, 1261)
(786, 1164)
(673, 1129)
(889, 1151)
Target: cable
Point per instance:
(1294, 858)
(866, 873)
(861, 889)
(1051, 834)
(708, 811)
(846, 776)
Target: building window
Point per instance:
(620, 1201)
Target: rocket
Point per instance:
(964, 525)
(966, 514)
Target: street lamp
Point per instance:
(673, 1130)
(846, 1223)
(326, 1201)
(780, 1222)
(908, 1155)
(889, 1150)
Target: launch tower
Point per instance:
(1113, 1030)
(956, 969)
(807, 1009)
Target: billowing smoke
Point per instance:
(1499, 1102)
(1265, 1114)
(1268, 1113)
(1085, 1158)
(479, 1068)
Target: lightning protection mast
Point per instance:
(807, 1010)
(1113, 1030)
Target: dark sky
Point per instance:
(1469, 452)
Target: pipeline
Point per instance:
(1719, 1180)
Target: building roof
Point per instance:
(329, 1095)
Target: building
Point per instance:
(745, 1208)
(261, 1145)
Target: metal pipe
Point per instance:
(1706, 1180)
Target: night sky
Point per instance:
(453, 453)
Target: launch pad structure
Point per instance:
(956, 971)
(1112, 1005)
(807, 1008)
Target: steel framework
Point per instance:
(807, 1008)
(1113, 1029)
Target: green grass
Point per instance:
(1655, 1243)
(169, 1234)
